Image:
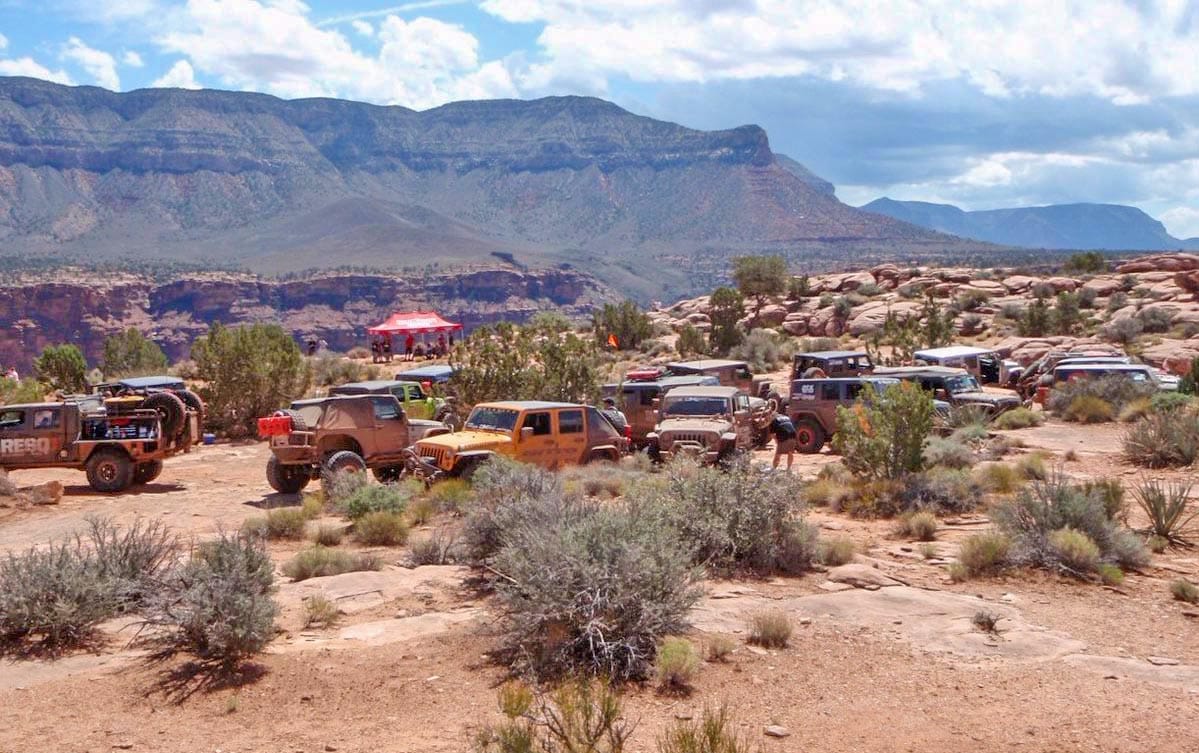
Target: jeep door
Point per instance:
(390, 435)
(572, 436)
(31, 436)
(742, 420)
(535, 440)
(413, 399)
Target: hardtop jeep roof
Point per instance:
(146, 382)
(824, 355)
(705, 391)
(865, 378)
(705, 364)
(919, 371)
(356, 388)
(530, 405)
(666, 383)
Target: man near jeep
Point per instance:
(614, 415)
(784, 439)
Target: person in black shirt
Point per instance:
(614, 415)
(784, 439)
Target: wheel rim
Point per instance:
(805, 437)
(107, 471)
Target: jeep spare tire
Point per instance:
(286, 479)
(297, 419)
(342, 461)
(192, 401)
(171, 413)
(809, 436)
(109, 470)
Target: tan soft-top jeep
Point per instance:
(550, 435)
(713, 424)
(332, 434)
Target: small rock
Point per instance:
(1110, 677)
(122, 746)
(805, 620)
(776, 730)
(684, 715)
(1009, 598)
(433, 678)
(330, 748)
(1162, 661)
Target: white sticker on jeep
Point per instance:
(25, 446)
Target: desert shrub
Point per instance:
(882, 435)
(947, 452)
(1032, 466)
(742, 519)
(760, 349)
(328, 534)
(678, 664)
(971, 300)
(593, 591)
(1183, 590)
(983, 553)
(313, 505)
(133, 559)
(770, 628)
(372, 498)
(842, 307)
(719, 647)
(1156, 319)
(1165, 505)
(131, 354)
(381, 528)
(691, 341)
(939, 490)
(826, 493)
(506, 495)
(1165, 402)
(835, 552)
(1125, 330)
(625, 321)
(1054, 504)
(219, 604)
(1012, 311)
(421, 511)
(1074, 550)
(986, 621)
(318, 561)
(921, 526)
(1135, 410)
(1088, 409)
(248, 371)
(330, 370)
(1115, 391)
(437, 549)
(281, 523)
(581, 716)
(55, 594)
(62, 367)
(973, 417)
(358, 352)
(339, 486)
(320, 611)
(928, 551)
(999, 478)
(713, 733)
(595, 480)
(1109, 574)
(449, 495)
(1163, 440)
(1018, 418)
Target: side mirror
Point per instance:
(525, 432)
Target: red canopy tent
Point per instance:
(414, 323)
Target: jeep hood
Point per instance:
(985, 397)
(695, 424)
(464, 441)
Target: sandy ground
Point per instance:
(892, 666)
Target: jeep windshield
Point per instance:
(492, 419)
(694, 406)
(965, 383)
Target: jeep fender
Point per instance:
(339, 442)
(729, 437)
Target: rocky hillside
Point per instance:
(1152, 303)
(1060, 226)
(337, 308)
(650, 207)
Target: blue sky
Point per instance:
(979, 103)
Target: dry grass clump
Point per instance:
(770, 628)
(381, 529)
(450, 495)
(1074, 549)
(1170, 512)
(1163, 440)
(928, 551)
(285, 523)
(838, 551)
(982, 553)
(421, 511)
(720, 647)
(319, 561)
(437, 549)
(1184, 590)
(1032, 466)
(999, 478)
(826, 493)
(313, 505)
(678, 664)
(713, 733)
(327, 534)
(1089, 409)
(1018, 418)
(320, 611)
(986, 621)
(921, 526)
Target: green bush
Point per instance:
(328, 534)
(381, 529)
(1183, 590)
(450, 495)
(282, 523)
(1088, 409)
(318, 561)
(63, 368)
(13, 392)
(593, 592)
(374, 498)
(835, 552)
(219, 604)
(248, 371)
(1166, 402)
(1018, 418)
(713, 733)
(728, 307)
(691, 341)
(760, 277)
(1163, 440)
(882, 436)
(983, 553)
(1074, 550)
(678, 664)
(999, 478)
(626, 321)
(761, 349)
(921, 526)
(507, 362)
(946, 452)
(1116, 391)
(131, 354)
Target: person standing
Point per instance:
(409, 347)
(614, 415)
(784, 439)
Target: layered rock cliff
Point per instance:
(337, 308)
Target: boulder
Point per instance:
(855, 281)
(772, 315)
(1174, 356)
(1019, 283)
(1188, 281)
(796, 324)
(1103, 286)
(1160, 263)
(885, 272)
(960, 276)
(862, 576)
(1062, 284)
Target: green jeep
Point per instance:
(416, 402)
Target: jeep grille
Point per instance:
(697, 437)
(440, 455)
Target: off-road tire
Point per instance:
(286, 479)
(342, 461)
(809, 436)
(297, 421)
(146, 472)
(654, 452)
(600, 456)
(389, 474)
(171, 412)
(730, 458)
(109, 470)
(192, 401)
(466, 467)
(440, 414)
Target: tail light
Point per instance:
(628, 432)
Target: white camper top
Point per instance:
(952, 351)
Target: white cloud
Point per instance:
(1182, 222)
(363, 27)
(1123, 52)
(27, 66)
(275, 47)
(390, 11)
(132, 59)
(98, 64)
(3, 42)
(180, 76)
